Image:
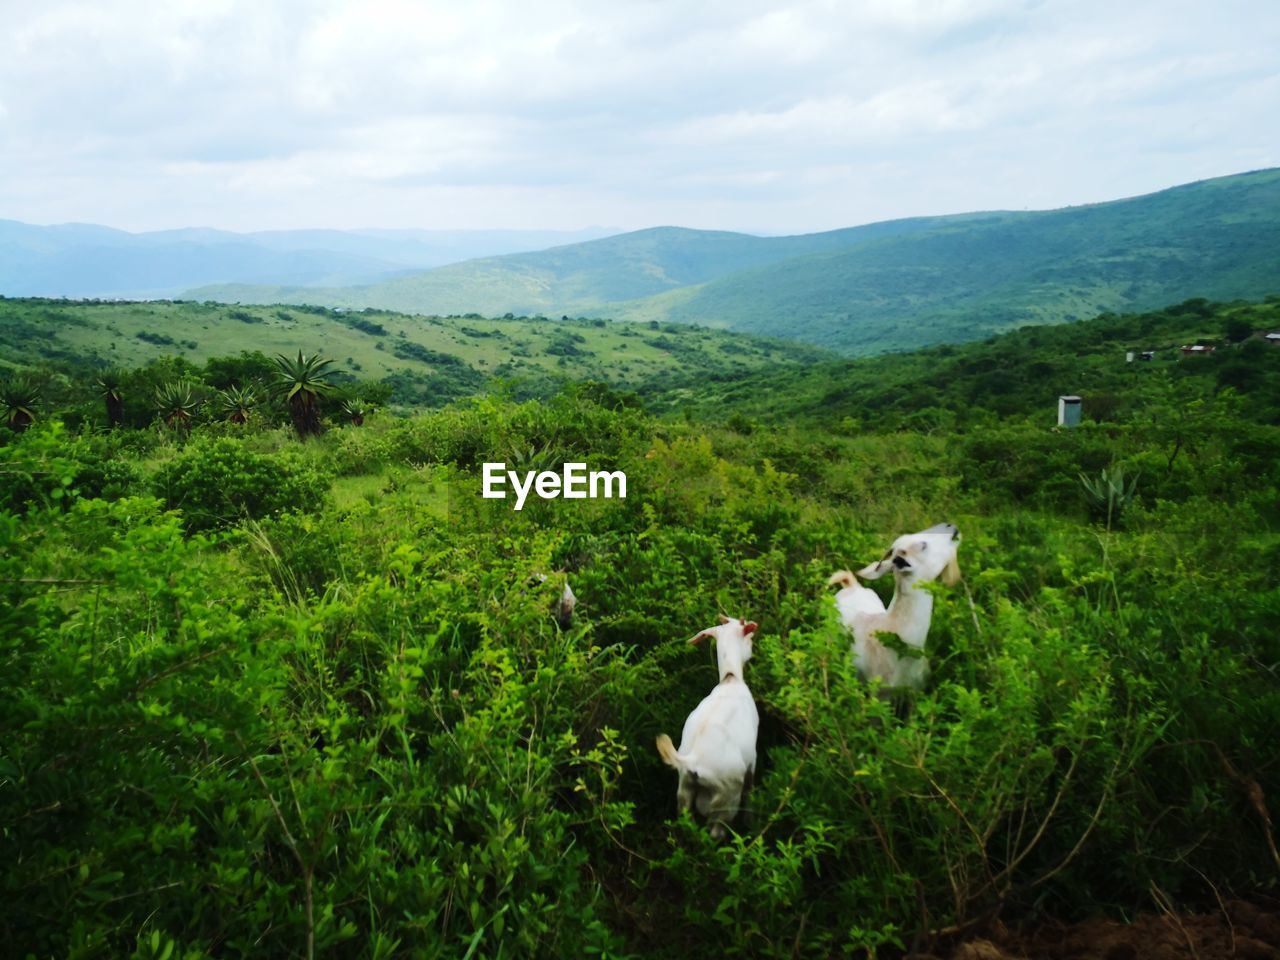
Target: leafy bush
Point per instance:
(37, 467)
(217, 483)
(159, 339)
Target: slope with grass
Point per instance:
(456, 355)
(882, 287)
(961, 281)
(1023, 372)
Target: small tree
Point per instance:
(1238, 329)
(303, 382)
(109, 383)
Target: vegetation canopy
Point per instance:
(281, 699)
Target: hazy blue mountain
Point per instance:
(85, 260)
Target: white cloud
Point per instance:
(741, 115)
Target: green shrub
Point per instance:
(217, 483)
(37, 467)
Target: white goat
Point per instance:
(564, 606)
(717, 755)
(563, 609)
(914, 559)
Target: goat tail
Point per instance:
(842, 578)
(667, 750)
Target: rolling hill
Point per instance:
(880, 287)
(429, 360)
(961, 281)
(577, 278)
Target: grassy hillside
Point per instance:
(579, 277)
(268, 697)
(448, 357)
(961, 281)
(878, 288)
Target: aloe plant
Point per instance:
(177, 403)
(303, 382)
(236, 403)
(356, 410)
(20, 397)
(1109, 494)
(109, 382)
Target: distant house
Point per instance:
(1273, 337)
(1196, 350)
(1147, 355)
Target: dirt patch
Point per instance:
(1240, 931)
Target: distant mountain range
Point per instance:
(84, 260)
(870, 289)
(867, 289)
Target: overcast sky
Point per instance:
(740, 115)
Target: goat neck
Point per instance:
(729, 659)
(909, 611)
(733, 646)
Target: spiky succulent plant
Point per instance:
(303, 382)
(177, 403)
(236, 403)
(20, 396)
(356, 409)
(109, 383)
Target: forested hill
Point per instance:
(881, 287)
(1023, 372)
(962, 280)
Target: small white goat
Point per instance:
(914, 559)
(717, 755)
(563, 608)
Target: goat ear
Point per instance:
(699, 637)
(874, 571)
(951, 573)
(724, 619)
(749, 627)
